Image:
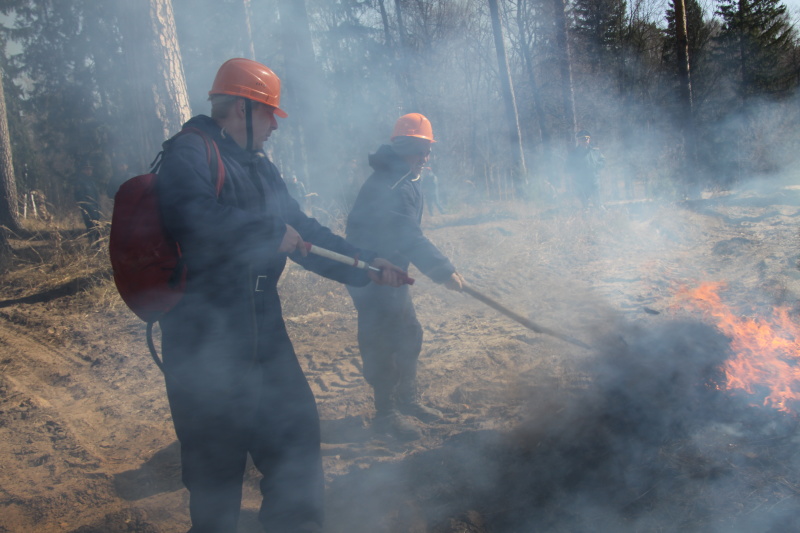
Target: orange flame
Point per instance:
(766, 357)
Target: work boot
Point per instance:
(388, 420)
(420, 411)
(401, 427)
(408, 403)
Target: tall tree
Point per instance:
(601, 26)
(756, 42)
(684, 81)
(525, 18)
(248, 30)
(694, 45)
(507, 89)
(534, 27)
(403, 69)
(204, 47)
(159, 99)
(306, 91)
(67, 48)
(565, 69)
(681, 61)
(9, 205)
(385, 22)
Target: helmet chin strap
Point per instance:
(248, 114)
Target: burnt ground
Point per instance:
(633, 434)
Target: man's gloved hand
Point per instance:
(455, 282)
(389, 275)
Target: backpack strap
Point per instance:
(218, 169)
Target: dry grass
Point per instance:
(55, 254)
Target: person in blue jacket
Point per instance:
(87, 196)
(584, 164)
(233, 381)
(386, 217)
(430, 190)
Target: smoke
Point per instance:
(649, 443)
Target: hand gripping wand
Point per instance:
(347, 260)
(494, 304)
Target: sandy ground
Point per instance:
(87, 443)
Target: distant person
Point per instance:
(583, 166)
(430, 190)
(386, 216)
(298, 191)
(234, 384)
(87, 196)
(120, 176)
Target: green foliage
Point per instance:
(67, 81)
(601, 25)
(699, 32)
(756, 42)
(71, 78)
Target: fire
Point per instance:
(767, 350)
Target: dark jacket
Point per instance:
(386, 218)
(585, 163)
(229, 243)
(86, 193)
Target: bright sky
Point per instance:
(794, 8)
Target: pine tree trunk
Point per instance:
(541, 116)
(305, 87)
(685, 94)
(9, 207)
(515, 137)
(248, 29)
(385, 20)
(565, 68)
(5, 253)
(158, 88)
(402, 72)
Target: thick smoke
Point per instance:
(649, 443)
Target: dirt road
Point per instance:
(85, 430)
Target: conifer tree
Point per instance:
(756, 42)
(9, 206)
(600, 24)
(698, 36)
(59, 64)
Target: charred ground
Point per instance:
(540, 435)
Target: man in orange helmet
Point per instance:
(233, 381)
(386, 216)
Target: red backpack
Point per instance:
(148, 270)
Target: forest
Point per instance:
(675, 411)
(680, 97)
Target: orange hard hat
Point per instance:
(413, 125)
(249, 79)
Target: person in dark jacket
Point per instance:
(386, 218)
(87, 196)
(298, 191)
(583, 165)
(120, 176)
(430, 190)
(233, 381)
